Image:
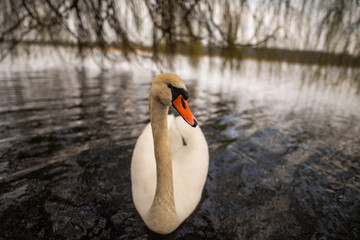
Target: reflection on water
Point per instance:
(284, 144)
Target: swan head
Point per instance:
(170, 90)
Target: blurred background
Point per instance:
(275, 86)
(307, 31)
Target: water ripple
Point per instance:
(284, 154)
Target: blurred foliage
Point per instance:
(230, 28)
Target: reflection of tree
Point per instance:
(181, 26)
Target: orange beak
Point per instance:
(181, 105)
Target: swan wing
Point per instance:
(190, 168)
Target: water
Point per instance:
(284, 143)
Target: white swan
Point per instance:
(170, 161)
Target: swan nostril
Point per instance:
(183, 103)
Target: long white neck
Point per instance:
(162, 211)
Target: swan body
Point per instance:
(170, 159)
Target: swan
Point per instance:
(170, 160)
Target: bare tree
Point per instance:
(181, 26)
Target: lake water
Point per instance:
(284, 142)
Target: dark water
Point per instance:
(284, 146)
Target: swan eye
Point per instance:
(175, 92)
